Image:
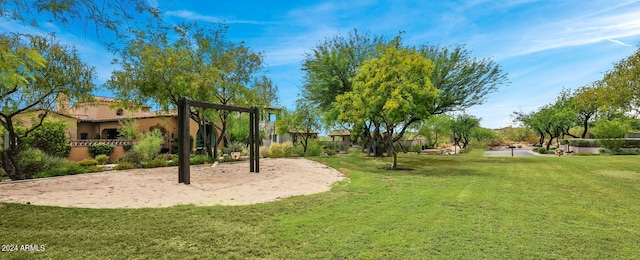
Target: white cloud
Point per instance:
(619, 42)
(185, 14)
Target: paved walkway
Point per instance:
(516, 152)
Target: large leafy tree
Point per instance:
(393, 90)
(586, 102)
(331, 65)
(45, 72)
(463, 80)
(462, 129)
(201, 65)
(622, 84)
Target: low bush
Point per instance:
(101, 148)
(69, 168)
(287, 149)
(264, 151)
(199, 159)
(330, 151)
(34, 161)
(87, 162)
(102, 159)
(417, 148)
(542, 150)
(157, 162)
(314, 149)
(133, 157)
(166, 157)
(275, 151)
(124, 165)
(149, 145)
(94, 168)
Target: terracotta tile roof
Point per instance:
(83, 117)
(340, 133)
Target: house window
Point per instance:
(272, 117)
(120, 111)
(84, 136)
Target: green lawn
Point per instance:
(449, 207)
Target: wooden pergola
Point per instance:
(184, 147)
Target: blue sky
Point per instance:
(542, 45)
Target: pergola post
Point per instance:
(252, 130)
(256, 138)
(184, 145)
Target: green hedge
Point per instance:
(577, 142)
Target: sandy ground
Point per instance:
(224, 184)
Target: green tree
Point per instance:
(612, 133)
(109, 20)
(463, 80)
(392, 90)
(587, 101)
(40, 85)
(435, 129)
(462, 129)
(331, 65)
(51, 137)
(622, 84)
(300, 123)
(201, 65)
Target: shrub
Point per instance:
(102, 159)
(298, 151)
(166, 157)
(149, 145)
(602, 150)
(68, 168)
(542, 150)
(128, 129)
(123, 165)
(275, 150)
(93, 168)
(417, 148)
(157, 162)
(133, 157)
(287, 149)
(199, 159)
(101, 148)
(51, 138)
(330, 151)
(612, 133)
(87, 162)
(34, 161)
(264, 151)
(314, 149)
(128, 147)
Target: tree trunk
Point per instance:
(11, 165)
(585, 125)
